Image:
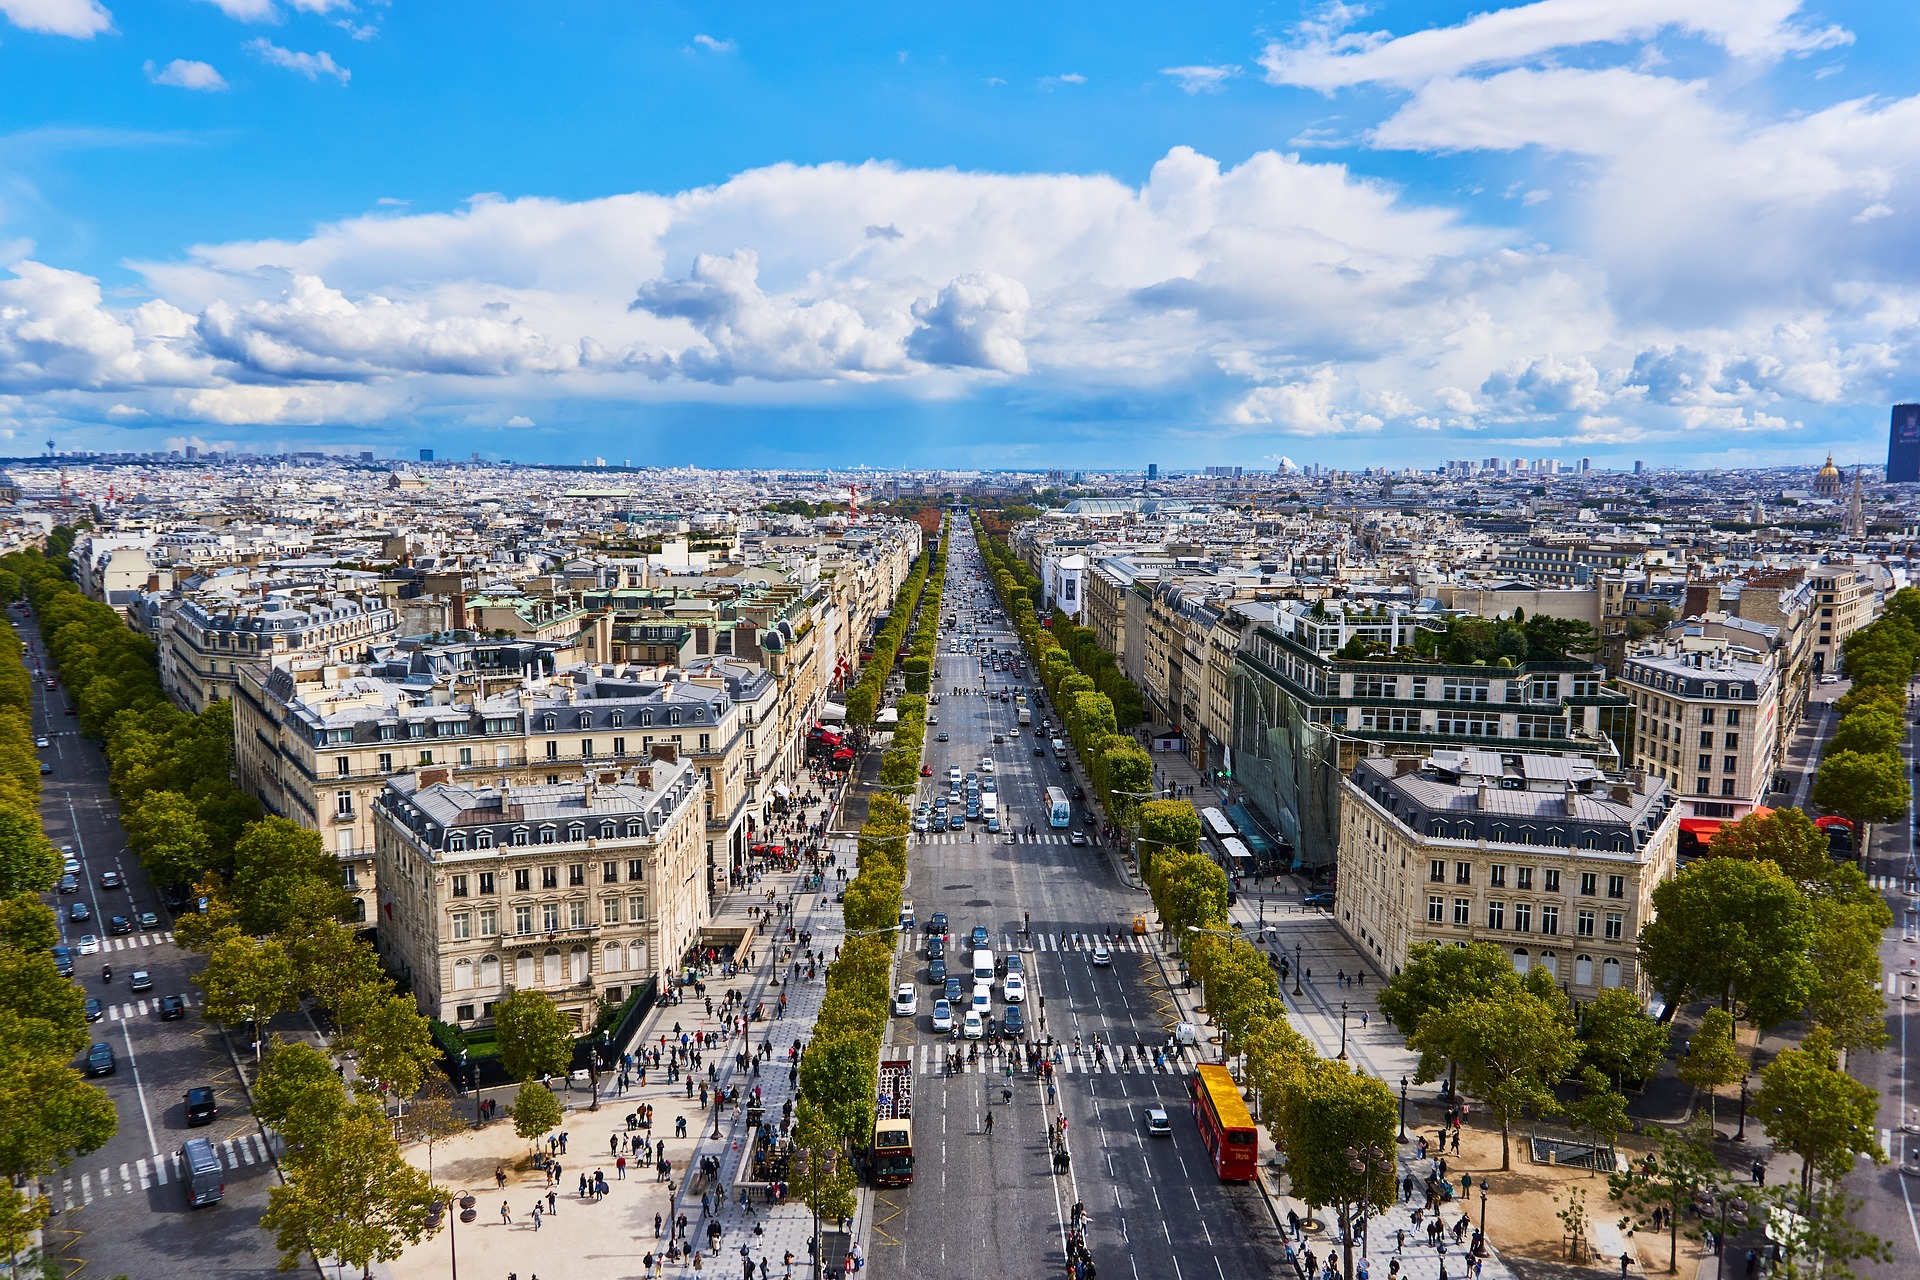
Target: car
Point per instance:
(989, 786)
(1158, 1126)
(957, 823)
(1321, 901)
(973, 810)
(953, 993)
(937, 922)
(148, 920)
(89, 945)
(1012, 1021)
(978, 937)
(937, 970)
(953, 774)
(100, 1060)
(172, 1008)
(69, 863)
(43, 742)
(973, 1026)
(1013, 963)
(95, 1010)
(63, 961)
(906, 913)
(973, 779)
(920, 824)
(942, 1016)
(1087, 819)
(906, 1001)
(993, 826)
(69, 883)
(936, 947)
(119, 924)
(45, 768)
(926, 771)
(202, 1106)
(986, 766)
(1102, 957)
(999, 738)
(933, 719)
(941, 736)
(1077, 838)
(79, 911)
(141, 980)
(1013, 989)
(1039, 750)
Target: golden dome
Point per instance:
(1830, 469)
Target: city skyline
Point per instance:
(1076, 239)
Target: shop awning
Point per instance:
(832, 711)
(1702, 828)
(782, 790)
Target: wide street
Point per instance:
(990, 1204)
(122, 1209)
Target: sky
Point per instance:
(986, 235)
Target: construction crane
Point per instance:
(853, 501)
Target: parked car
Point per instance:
(1321, 901)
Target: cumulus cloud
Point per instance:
(310, 65)
(713, 44)
(1547, 385)
(56, 335)
(80, 19)
(974, 323)
(1301, 407)
(184, 74)
(1201, 79)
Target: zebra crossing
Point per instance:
(1056, 940)
(134, 941)
(141, 1008)
(1889, 884)
(982, 836)
(1090, 1061)
(158, 1171)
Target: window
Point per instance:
(1463, 873)
(462, 926)
(1525, 878)
(1706, 762)
(343, 803)
(523, 881)
(577, 914)
(343, 765)
(1523, 917)
(386, 761)
(1588, 882)
(549, 877)
(519, 836)
(1496, 915)
(489, 923)
(549, 835)
(1733, 717)
(619, 747)
(1553, 881)
(1703, 786)
(1616, 886)
(636, 829)
(1497, 875)
(1437, 871)
(1616, 925)
(636, 910)
(609, 911)
(1726, 786)
(1583, 971)
(586, 720)
(426, 758)
(466, 755)
(549, 916)
(576, 832)
(459, 883)
(1610, 973)
(1733, 741)
(523, 920)
(1550, 920)
(586, 748)
(636, 869)
(1729, 764)
(1583, 923)
(486, 883)
(609, 873)
(553, 751)
(1706, 717)
(1706, 738)
(1436, 909)
(483, 840)
(1463, 911)
(706, 743)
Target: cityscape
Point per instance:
(1278, 642)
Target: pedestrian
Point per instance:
(1626, 1260)
(553, 1200)
(506, 1214)
(657, 1222)
(536, 1216)
(620, 1168)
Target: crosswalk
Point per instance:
(141, 1008)
(1889, 884)
(147, 1172)
(1089, 1061)
(982, 836)
(1044, 940)
(135, 941)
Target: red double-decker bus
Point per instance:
(1225, 1124)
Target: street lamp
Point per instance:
(1741, 1136)
(462, 1210)
(1363, 1161)
(1739, 1208)
(1483, 1214)
(1343, 1031)
(1296, 969)
(1403, 1109)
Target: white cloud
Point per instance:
(265, 10)
(80, 19)
(714, 45)
(519, 420)
(1300, 407)
(1201, 79)
(1071, 77)
(974, 323)
(1603, 112)
(1327, 58)
(55, 335)
(310, 65)
(184, 74)
(1547, 385)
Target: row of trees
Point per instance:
(900, 766)
(1861, 776)
(863, 700)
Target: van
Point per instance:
(983, 966)
(206, 1182)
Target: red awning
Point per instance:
(1832, 820)
(1703, 828)
(844, 753)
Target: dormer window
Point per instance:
(483, 840)
(608, 830)
(673, 717)
(520, 836)
(548, 835)
(636, 828)
(617, 719)
(456, 843)
(586, 719)
(646, 719)
(549, 722)
(576, 833)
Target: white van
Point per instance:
(983, 967)
(989, 807)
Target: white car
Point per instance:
(986, 766)
(89, 945)
(983, 999)
(1014, 989)
(906, 1001)
(42, 741)
(920, 824)
(973, 1026)
(942, 1016)
(1102, 956)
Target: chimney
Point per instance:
(1485, 795)
(1404, 765)
(668, 752)
(433, 777)
(643, 778)
(1620, 794)
(588, 792)
(1568, 796)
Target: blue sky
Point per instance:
(1065, 234)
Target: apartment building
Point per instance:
(1548, 857)
(1844, 601)
(582, 890)
(1707, 719)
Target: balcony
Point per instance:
(341, 817)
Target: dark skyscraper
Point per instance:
(1153, 471)
(426, 455)
(1903, 445)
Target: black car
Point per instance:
(936, 947)
(172, 1008)
(63, 961)
(69, 883)
(95, 1010)
(937, 971)
(100, 1060)
(202, 1108)
(937, 922)
(1012, 1021)
(79, 911)
(979, 936)
(1039, 750)
(111, 880)
(119, 924)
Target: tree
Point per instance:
(353, 1197)
(1817, 1236)
(1669, 1181)
(284, 878)
(1712, 1059)
(1436, 977)
(1786, 837)
(299, 1093)
(434, 1117)
(1862, 788)
(1332, 1111)
(1732, 931)
(1167, 826)
(1618, 1037)
(48, 1113)
(839, 1074)
(51, 1010)
(28, 863)
(1875, 732)
(1849, 918)
(1512, 1048)
(335, 963)
(391, 1042)
(166, 832)
(246, 980)
(28, 924)
(1815, 1110)
(1598, 1111)
(535, 1111)
(1189, 889)
(823, 1175)
(535, 1038)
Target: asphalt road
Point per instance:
(122, 1209)
(990, 1204)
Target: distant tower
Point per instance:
(1903, 445)
(1856, 513)
(49, 446)
(1827, 482)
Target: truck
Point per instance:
(1026, 716)
(890, 1158)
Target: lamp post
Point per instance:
(1296, 969)
(473, 1082)
(1739, 1208)
(1343, 1031)
(1741, 1136)
(1363, 1161)
(462, 1204)
(1484, 1240)
(1403, 1109)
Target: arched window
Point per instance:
(483, 839)
(1521, 960)
(610, 958)
(456, 843)
(489, 971)
(360, 910)
(523, 969)
(1610, 972)
(576, 833)
(608, 830)
(550, 971)
(637, 956)
(1551, 963)
(462, 975)
(1583, 971)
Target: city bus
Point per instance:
(1216, 826)
(1059, 811)
(1235, 858)
(1226, 1127)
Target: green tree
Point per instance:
(284, 879)
(823, 1175)
(435, 1116)
(1712, 1059)
(1872, 733)
(51, 1011)
(1618, 1037)
(1732, 931)
(335, 963)
(1850, 917)
(535, 1111)
(1816, 1111)
(1667, 1182)
(246, 980)
(1189, 889)
(165, 831)
(1333, 1111)
(28, 924)
(28, 863)
(1786, 837)
(1512, 1048)
(1166, 826)
(535, 1038)
(839, 1074)
(392, 1044)
(299, 1093)
(1598, 1111)
(48, 1113)
(1437, 978)
(1818, 1235)
(1862, 788)
(353, 1197)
